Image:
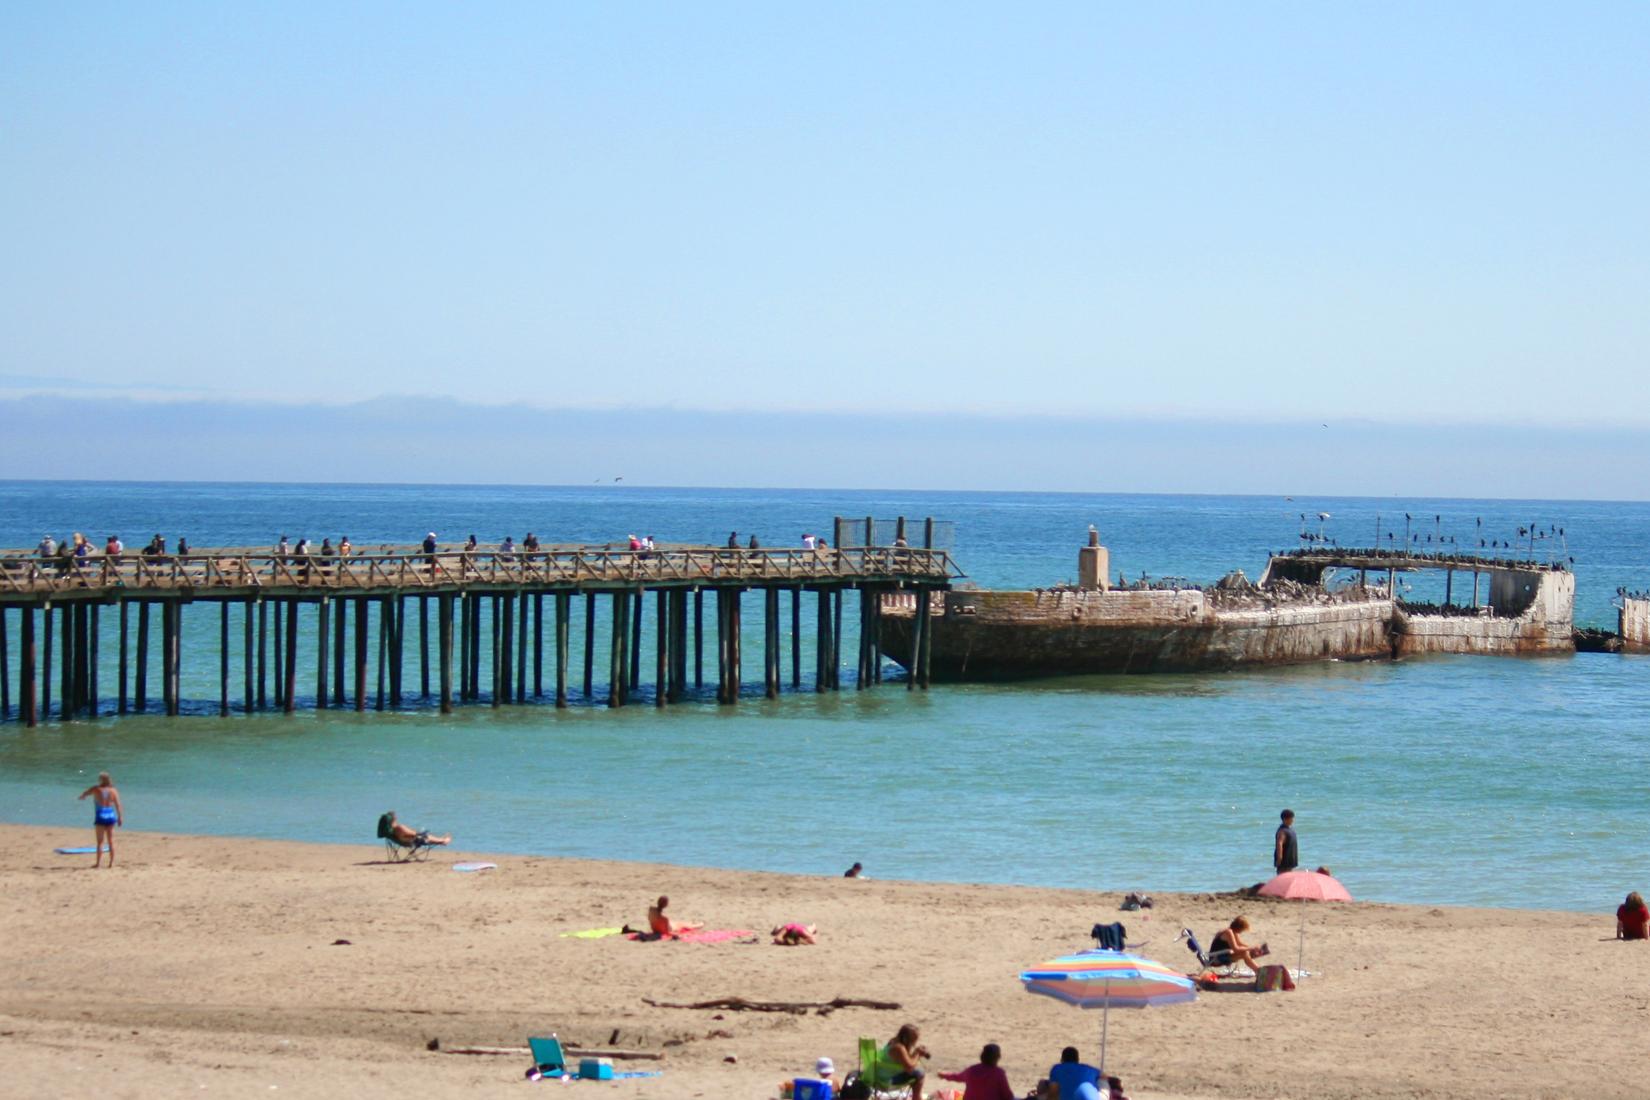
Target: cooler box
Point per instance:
(810, 1088)
(595, 1069)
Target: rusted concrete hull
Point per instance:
(1015, 635)
(1635, 625)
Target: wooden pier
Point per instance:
(486, 604)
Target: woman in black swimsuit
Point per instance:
(1228, 946)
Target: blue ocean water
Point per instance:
(1513, 782)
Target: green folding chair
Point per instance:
(548, 1057)
(877, 1073)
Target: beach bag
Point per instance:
(1274, 978)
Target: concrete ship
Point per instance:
(1293, 614)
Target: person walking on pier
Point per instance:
(282, 548)
(106, 815)
(733, 540)
(1285, 847)
(344, 546)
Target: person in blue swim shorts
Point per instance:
(106, 815)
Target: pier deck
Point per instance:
(492, 600)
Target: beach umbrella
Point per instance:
(1305, 886)
(1101, 979)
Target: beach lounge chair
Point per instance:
(876, 1072)
(1218, 962)
(399, 850)
(548, 1057)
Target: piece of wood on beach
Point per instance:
(795, 1008)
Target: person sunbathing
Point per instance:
(794, 935)
(408, 837)
(1228, 946)
(661, 925)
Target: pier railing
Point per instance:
(232, 570)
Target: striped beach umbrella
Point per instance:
(1101, 979)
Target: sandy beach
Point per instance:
(206, 965)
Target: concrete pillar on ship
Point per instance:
(1093, 564)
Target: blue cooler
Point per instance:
(595, 1069)
(810, 1088)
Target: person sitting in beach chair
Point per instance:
(403, 842)
(1228, 948)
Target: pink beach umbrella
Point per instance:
(1305, 886)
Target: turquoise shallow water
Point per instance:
(1454, 780)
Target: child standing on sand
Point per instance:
(106, 815)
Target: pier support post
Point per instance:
(589, 643)
(678, 644)
(722, 631)
(340, 648)
(172, 659)
(444, 649)
(563, 602)
(279, 654)
(263, 642)
(248, 645)
(5, 668)
(96, 636)
(615, 663)
(475, 647)
(26, 711)
(46, 661)
(465, 611)
(796, 638)
(770, 642)
(383, 652)
(661, 644)
(360, 653)
(822, 646)
(424, 648)
(698, 638)
(67, 661)
(538, 645)
(223, 659)
(916, 641)
(501, 649)
(635, 643)
(122, 652)
(836, 639)
(323, 636)
(397, 607)
(1449, 585)
(289, 670)
(927, 636)
(141, 684)
(523, 603)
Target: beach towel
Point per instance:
(76, 851)
(703, 935)
(475, 866)
(592, 933)
(1109, 937)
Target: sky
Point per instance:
(1361, 219)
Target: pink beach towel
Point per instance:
(703, 935)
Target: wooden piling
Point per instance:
(589, 641)
(916, 642)
(141, 673)
(615, 662)
(120, 672)
(444, 649)
(796, 638)
(340, 648)
(465, 612)
(397, 608)
(523, 603)
(172, 656)
(92, 661)
(46, 662)
(822, 643)
(279, 653)
(661, 647)
(770, 642)
(247, 647)
(223, 659)
(360, 653)
(635, 642)
(504, 648)
(424, 648)
(26, 711)
(289, 671)
(383, 651)
(723, 672)
(927, 634)
(66, 661)
(263, 639)
(563, 606)
(538, 645)
(475, 648)
(323, 637)
(836, 639)
(698, 638)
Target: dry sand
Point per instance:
(204, 965)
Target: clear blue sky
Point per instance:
(1425, 213)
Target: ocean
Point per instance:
(1458, 780)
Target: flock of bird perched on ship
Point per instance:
(1414, 540)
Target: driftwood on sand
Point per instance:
(795, 1008)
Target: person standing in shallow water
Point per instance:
(106, 815)
(1285, 847)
